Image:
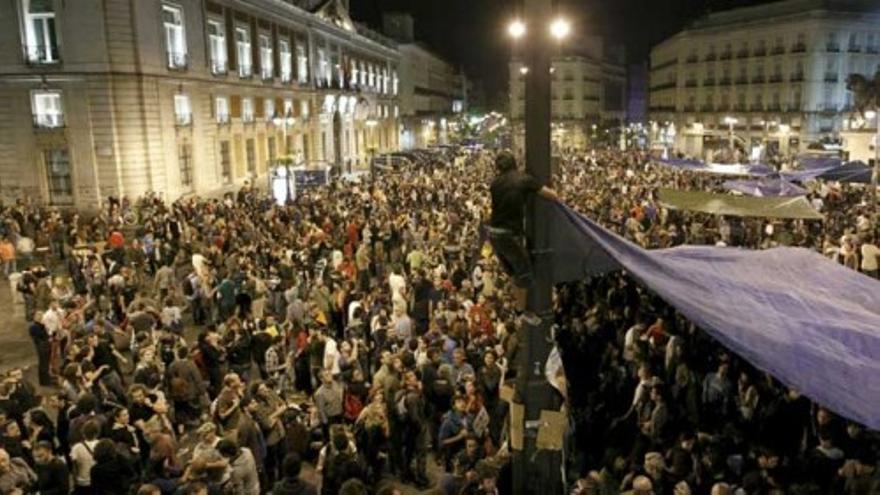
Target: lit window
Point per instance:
(175, 43)
(286, 60)
(265, 57)
(217, 47)
(304, 109)
(247, 109)
(354, 73)
(243, 50)
(221, 109)
(302, 63)
(324, 73)
(46, 108)
(182, 113)
(288, 106)
(268, 108)
(41, 39)
(394, 83)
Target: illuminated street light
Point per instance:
(524, 70)
(870, 114)
(516, 29)
(560, 28)
(784, 128)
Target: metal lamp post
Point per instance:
(537, 470)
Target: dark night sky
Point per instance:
(471, 33)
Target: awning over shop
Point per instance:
(810, 322)
(738, 206)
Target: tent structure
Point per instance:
(808, 321)
(738, 206)
(742, 169)
(765, 187)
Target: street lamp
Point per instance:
(730, 121)
(872, 114)
(285, 121)
(516, 29)
(560, 28)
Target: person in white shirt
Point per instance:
(52, 318)
(870, 257)
(82, 457)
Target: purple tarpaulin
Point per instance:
(756, 169)
(765, 187)
(808, 321)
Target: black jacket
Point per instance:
(53, 478)
(293, 486)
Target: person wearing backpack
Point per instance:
(82, 458)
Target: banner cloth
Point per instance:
(738, 206)
(808, 321)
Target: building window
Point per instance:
(286, 60)
(247, 109)
(59, 176)
(870, 45)
(251, 153)
(225, 162)
(831, 44)
(304, 109)
(266, 67)
(41, 38)
(288, 107)
(395, 82)
(182, 113)
(363, 74)
(184, 161)
(354, 74)
(325, 76)
(217, 47)
(175, 43)
(302, 63)
(243, 50)
(268, 108)
(221, 109)
(270, 147)
(47, 110)
(854, 43)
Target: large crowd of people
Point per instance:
(356, 340)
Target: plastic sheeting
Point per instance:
(738, 206)
(757, 169)
(808, 321)
(765, 187)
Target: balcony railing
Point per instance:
(223, 119)
(42, 55)
(248, 119)
(219, 67)
(711, 57)
(266, 74)
(666, 85)
(49, 121)
(796, 77)
(690, 83)
(690, 108)
(183, 119)
(872, 49)
(740, 107)
(706, 108)
(726, 56)
(724, 107)
(854, 48)
(177, 60)
(245, 71)
(760, 52)
(831, 78)
(724, 81)
(709, 81)
(828, 107)
(776, 78)
(742, 54)
(798, 48)
(741, 80)
(773, 107)
(692, 59)
(287, 77)
(832, 47)
(757, 79)
(757, 107)
(777, 50)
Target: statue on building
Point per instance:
(866, 92)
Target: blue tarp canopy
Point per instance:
(808, 321)
(832, 171)
(757, 169)
(766, 186)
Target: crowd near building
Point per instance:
(772, 75)
(118, 98)
(588, 91)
